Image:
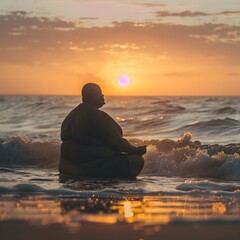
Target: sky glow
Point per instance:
(168, 47)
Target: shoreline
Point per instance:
(197, 231)
(27, 217)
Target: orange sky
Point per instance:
(170, 54)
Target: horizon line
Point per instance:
(75, 95)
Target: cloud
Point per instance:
(27, 39)
(150, 4)
(194, 14)
(40, 49)
(180, 14)
(88, 18)
(14, 20)
(221, 34)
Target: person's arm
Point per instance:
(65, 130)
(107, 130)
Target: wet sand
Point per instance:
(38, 217)
(24, 231)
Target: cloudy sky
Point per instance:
(187, 47)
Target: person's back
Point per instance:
(92, 142)
(78, 126)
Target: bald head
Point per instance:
(89, 89)
(92, 93)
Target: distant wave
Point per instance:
(174, 109)
(149, 124)
(166, 109)
(211, 99)
(140, 117)
(166, 157)
(160, 101)
(214, 124)
(228, 110)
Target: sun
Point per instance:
(123, 80)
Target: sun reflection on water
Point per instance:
(127, 209)
(219, 208)
(143, 213)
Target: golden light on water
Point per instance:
(145, 213)
(219, 208)
(127, 209)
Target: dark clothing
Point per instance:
(90, 144)
(87, 125)
(115, 167)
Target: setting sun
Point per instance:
(123, 80)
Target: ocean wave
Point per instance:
(183, 157)
(160, 101)
(174, 109)
(207, 186)
(227, 110)
(20, 151)
(216, 125)
(4, 169)
(26, 188)
(148, 124)
(165, 109)
(186, 158)
(198, 189)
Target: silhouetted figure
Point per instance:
(93, 143)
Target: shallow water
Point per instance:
(141, 211)
(193, 157)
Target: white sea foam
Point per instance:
(164, 157)
(19, 150)
(187, 162)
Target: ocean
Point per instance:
(191, 172)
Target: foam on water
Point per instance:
(208, 186)
(20, 151)
(191, 159)
(165, 157)
(114, 188)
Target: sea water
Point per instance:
(191, 172)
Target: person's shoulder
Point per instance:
(99, 116)
(91, 112)
(72, 112)
(102, 113)
(105, 116)
(85, 108)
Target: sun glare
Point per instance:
(123, 80)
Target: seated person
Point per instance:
(93, 143)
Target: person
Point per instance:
(93, 143)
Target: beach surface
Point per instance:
(212, 231)
(37, 216)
